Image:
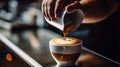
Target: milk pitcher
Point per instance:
(68, 22)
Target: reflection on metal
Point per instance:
(31, 40)
(34, 42)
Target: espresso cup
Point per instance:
(65, 50)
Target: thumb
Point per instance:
(71, 7)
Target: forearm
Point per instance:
(97, 10)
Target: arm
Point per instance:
(94, 10)
(98, 10)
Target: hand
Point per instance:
(52, 9)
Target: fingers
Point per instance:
(71, 7)
(44, 9)
(50, 7)
(59, 6)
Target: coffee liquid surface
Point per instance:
(65, 41)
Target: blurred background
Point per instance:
(23, 23)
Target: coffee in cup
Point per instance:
(65, 50)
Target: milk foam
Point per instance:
(67, 46)
(66, 41)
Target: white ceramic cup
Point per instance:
(64, 54)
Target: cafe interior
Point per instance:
(25, 35)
